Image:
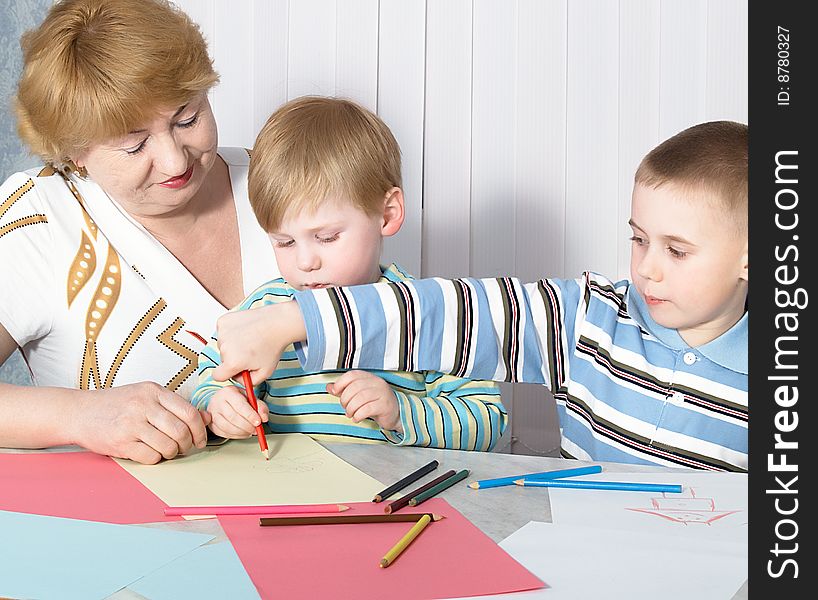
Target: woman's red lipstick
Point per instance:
(179, 181)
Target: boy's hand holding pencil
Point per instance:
(253, 340)
(235, 415)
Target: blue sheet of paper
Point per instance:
(50, 557)
(211, 572)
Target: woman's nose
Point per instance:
(171, 157)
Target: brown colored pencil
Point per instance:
(347, 519)
(404, 500)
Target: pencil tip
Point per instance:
(266, 454)
(474, 485)
(377, 499)
(519, 481)
(438, 517)
(342, 507)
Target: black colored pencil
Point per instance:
(404, 500)
(409, 479)
(346, 519)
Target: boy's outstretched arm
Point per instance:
(498, 329)
(254, 340)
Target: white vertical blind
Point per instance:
(639, 81)
(683, 64)
(591, 146)
(447, 135)
(521, 122)
(356, 69)
(312, 51)
(233, 98)
(401, 104)
(270, 34)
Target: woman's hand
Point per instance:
(364, 395)
(253, 340)
(232, 416)
(142, 421)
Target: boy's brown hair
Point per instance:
(317, 148)
(709, 158)
(97, 69)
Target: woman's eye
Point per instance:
(284, 243)
(636, 239)
(328, 239)
(676, 253)
(136, 149)
(188, 122)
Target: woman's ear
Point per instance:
(76, 165)
(393, 213)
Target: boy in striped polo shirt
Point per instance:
(647, 370)
(324, 182)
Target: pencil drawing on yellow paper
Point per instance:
(296, 464)
(300, 471)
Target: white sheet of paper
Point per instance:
(590, 562)
(710, 505)
(300, 471)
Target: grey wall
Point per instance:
(16, 16)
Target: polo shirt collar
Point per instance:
(728, 350)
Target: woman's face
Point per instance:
(158, 168)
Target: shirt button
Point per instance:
(689, 358)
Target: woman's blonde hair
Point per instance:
(97, 69)
(316, 148)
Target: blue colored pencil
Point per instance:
(501, 481)
(601, 485)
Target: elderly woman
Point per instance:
(136, 231)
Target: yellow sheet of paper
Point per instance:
(300, 471)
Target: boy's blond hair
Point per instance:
(316, 148)
(711, 158)
(97, 69)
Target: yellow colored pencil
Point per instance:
(395, 551)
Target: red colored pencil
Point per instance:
(251, 398)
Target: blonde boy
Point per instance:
(651, 370)
(325, 183)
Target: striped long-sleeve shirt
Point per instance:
(627, 389)
(436, 410)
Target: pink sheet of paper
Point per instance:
(76, 485)
(450, 558)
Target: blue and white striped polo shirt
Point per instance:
(627, 389)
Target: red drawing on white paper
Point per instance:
(685, 509)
